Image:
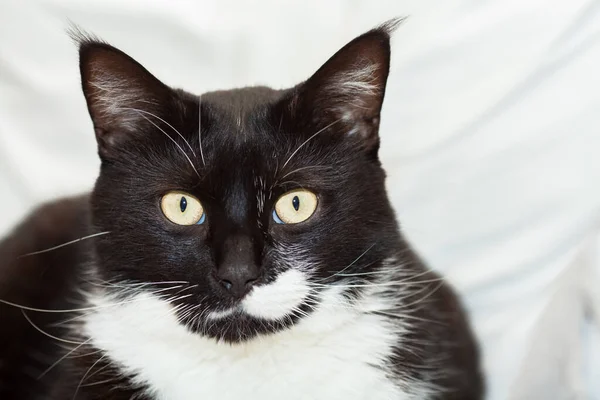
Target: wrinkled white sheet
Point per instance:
(491, 133)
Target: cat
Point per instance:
(237, 245)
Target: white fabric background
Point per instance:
(491, 132)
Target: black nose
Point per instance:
(237, 279)
(238, 267)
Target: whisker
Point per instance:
(405, 316)
(276, 173)
(168, 124)
(349, 265)
(404, 306)
(106, 366)
(187, 317)
(177, 298)
(308, 140)
(87, 354)
(129, 301)
(131, 288)
(37, 328)
(85, 376)
(358, 274)
(392, 272)
(161, 283)
(174, 141)
(62, 358)
(410, 295)
(169, 288)
(402, 283)
(200, 129)
(64, 244)
(99, 382)
(378, 272)
(301, 186)
(44, 310)
(133, 285)
(187, 287)
(296, 311)
(72, 319)
(303, 168)
(425, 272)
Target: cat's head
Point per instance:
(242, 208)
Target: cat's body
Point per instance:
(337, 307)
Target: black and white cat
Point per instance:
(237, 245)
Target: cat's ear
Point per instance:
(348, 90)
(121, 95)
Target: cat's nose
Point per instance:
(238, 279)
(238, 267)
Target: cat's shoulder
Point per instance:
(37, 271)
(52, 218)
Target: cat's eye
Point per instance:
(295, 206)
(182, 208)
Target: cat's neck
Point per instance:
(341, 344)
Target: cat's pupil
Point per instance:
(182, 204)
(296, 203)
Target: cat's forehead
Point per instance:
(239, 105)
(243, 99)
(238, 117)
(241, 125)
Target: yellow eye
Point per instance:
(182, 208)
(295, 206)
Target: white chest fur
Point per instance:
(335, 353)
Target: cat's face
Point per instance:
(242, 208)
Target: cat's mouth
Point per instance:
(222, 314)
(271, 302)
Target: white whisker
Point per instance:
(406, 316)
(174, 141)
(200, 129)
(85, 376)
(91, 353)
(304, 168)
(308, 140)
(58, 311)
(124, 284)
(64, 244)
(349, 265)
(403, 283)
(168, 124)
(37, 328)
(426, 296)
(99, 382)
(62, 358)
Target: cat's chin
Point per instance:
(239, 327)
(266, 309)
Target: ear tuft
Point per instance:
(80, 37)
(390, 26)
(120, 93)
(350, 86)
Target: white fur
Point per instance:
(215, 315)
(338, 352)
(277, 300)
(274, 301)
(357, 82)
(113, 99)
(354, 91)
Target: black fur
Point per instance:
(253, 145)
